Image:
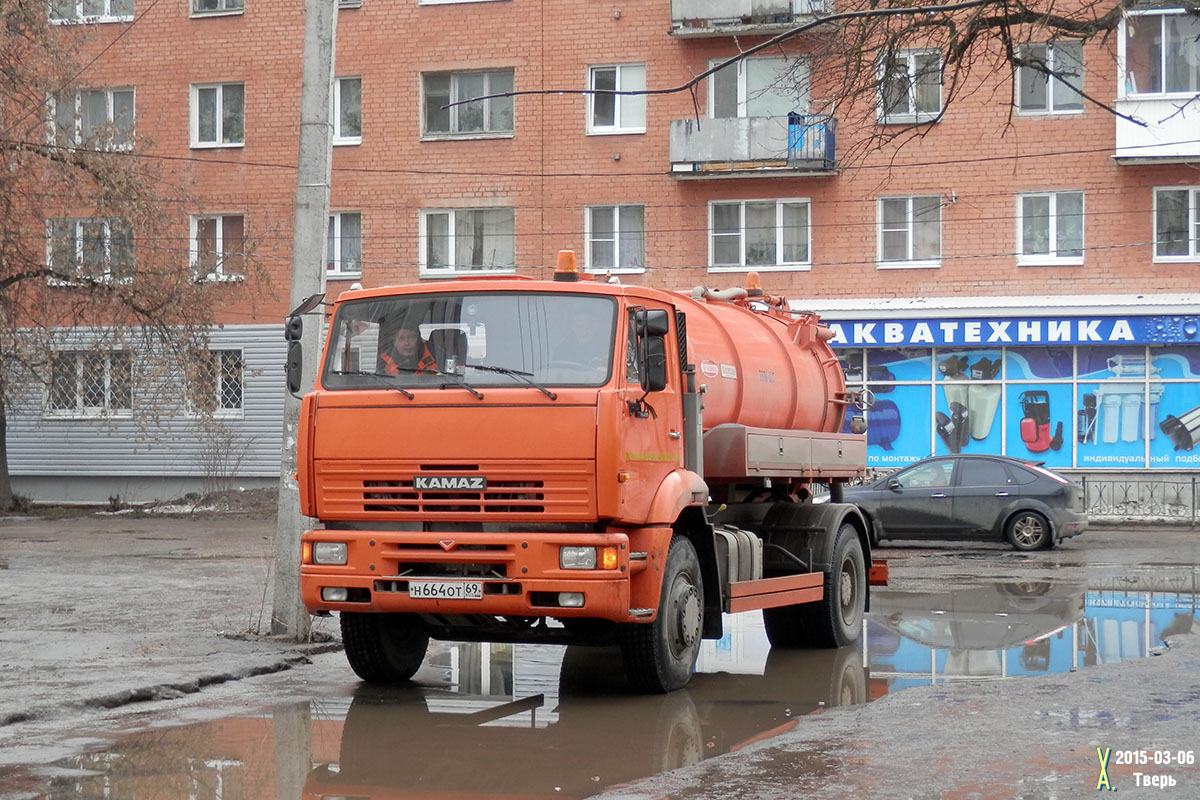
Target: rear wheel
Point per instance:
(384, 648)
(1029, 530)
(835, 620)
(660, 656)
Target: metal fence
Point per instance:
(1135, 499)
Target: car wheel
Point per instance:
(1028, 530)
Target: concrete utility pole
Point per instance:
(288, 617)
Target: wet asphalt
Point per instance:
(112, 626)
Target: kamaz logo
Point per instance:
(449, 483)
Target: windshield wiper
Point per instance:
(383, 385)
(460, 381)
(516, 373)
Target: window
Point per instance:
(91, 10)
(910, 231)
(982, 472)
(617, 113)
(218, 6)
(759, 233)
(347, 111)
(344, 254)
(219, 115)
(220, 385)
(491, 116)
(758, 87)
(218, 245)
(463, 239)
(94, 117)
(1162, 54)
(911, 87)
(1050, 228)
(931, 474)
(1177, 224)
(616, 238)
(89, 250)
(1040, 93)
(90, 383)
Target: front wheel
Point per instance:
(384, 648)
(836, 619)
(660, 656)
(1029, 530)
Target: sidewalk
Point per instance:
(102, 611)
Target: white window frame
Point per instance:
(79, 277)
(224, 8)
(1127, 83)
(80, 411)
(79, 17)
(588, 255)
(219, 273)
(909, 223)
(1051, 258)
(338, 267)
(219, 141)
(627, 79)
(426, 271)
(455, 78)
(913, 115)
(76, 134)
(744, 90)
(1193, 225)
(1052, 83)
(780, 265)
(340, 137)
(219, 356)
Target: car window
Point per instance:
(1023, 476)
(982, 472)
(935, 473)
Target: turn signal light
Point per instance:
(306, 553)
(608, 558)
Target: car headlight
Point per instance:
(330, 553)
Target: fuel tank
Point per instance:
(763, 370)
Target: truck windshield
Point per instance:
(496, 339)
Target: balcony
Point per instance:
(744, 147)
(1171, 134)
(741, 17)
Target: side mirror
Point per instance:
(893, 484)
(653, 355)
(295, 366)
(293, 328)
(652, 322)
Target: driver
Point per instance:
(406, 351)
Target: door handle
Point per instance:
(1001, 494)
(674, 434)
(938, 495)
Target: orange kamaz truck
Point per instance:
(580, 462)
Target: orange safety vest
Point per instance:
(425, 364)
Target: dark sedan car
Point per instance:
(972, 497)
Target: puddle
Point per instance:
(525, 720)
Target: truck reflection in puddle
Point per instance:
(576, 737)
(497, 719)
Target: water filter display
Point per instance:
(1184, 429)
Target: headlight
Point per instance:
(573, 557)
(577, 557)
(333, 553)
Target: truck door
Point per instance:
(651, 441)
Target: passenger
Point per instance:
(406, 352)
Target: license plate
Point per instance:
(446, 590)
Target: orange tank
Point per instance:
(762, 370)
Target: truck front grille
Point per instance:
(559, 491)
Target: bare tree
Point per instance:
(95, 281)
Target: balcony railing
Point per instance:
(729, 17)
(803, 143)
(1159, 129)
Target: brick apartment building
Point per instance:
(1019, 277)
